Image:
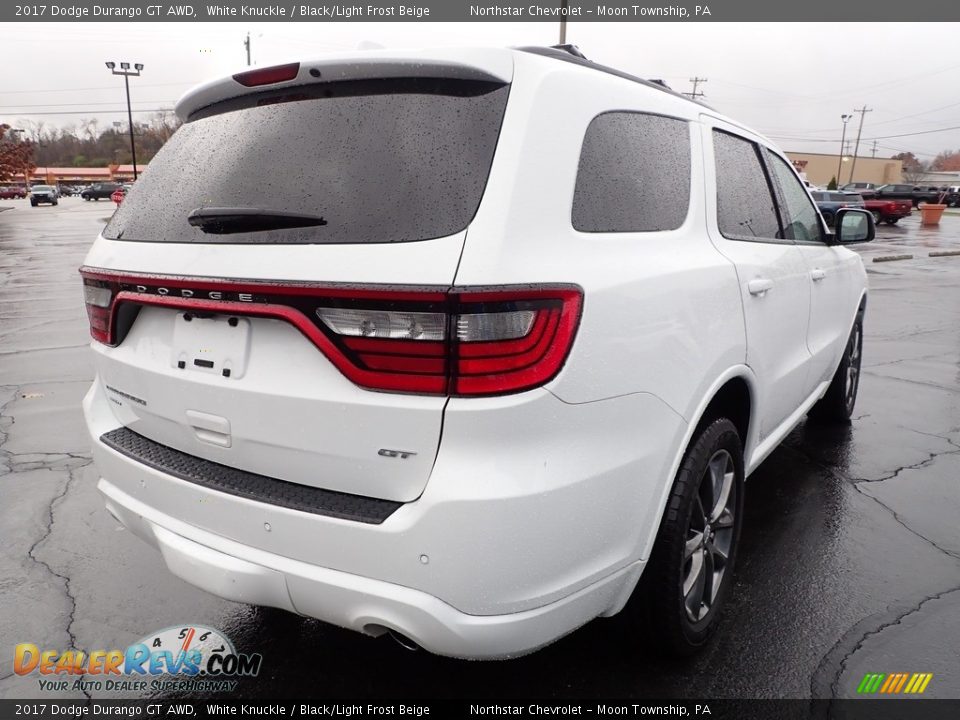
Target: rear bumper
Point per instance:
(534, 522)
(244, 574)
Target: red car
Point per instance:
(888, 211)
(11, 193)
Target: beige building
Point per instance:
(820, 169)
(80, 175)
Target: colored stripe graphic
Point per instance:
(903, 681)
(894, 683)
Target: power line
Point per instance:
(923, 132)
(103, 87)
(13, 108)
(95, 112)
(925, 112)
(878, 137)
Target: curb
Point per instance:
(891, 258)
(943, 253)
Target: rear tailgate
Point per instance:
(396, 169)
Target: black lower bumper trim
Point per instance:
(261, 488)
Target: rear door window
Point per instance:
(380, 161)
(634, 174)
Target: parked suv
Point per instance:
(466, 372)
(43, 194)
(830, 201)
(100, 191)
(913, 193)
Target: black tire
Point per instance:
(877, 217)
(679, 621)
(828, 217)
(841, 397)
(892, 221)
(56, 202)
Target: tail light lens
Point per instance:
(98, 296)
(268, 75)
(461, 341)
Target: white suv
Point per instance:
(457, 344)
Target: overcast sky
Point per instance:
(790, 81)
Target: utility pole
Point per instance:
(246, 44)
(696, 82)
(873, 150)
(563, 22)
(856, 148)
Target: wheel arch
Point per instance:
(734, 390)
(732, 400)
(732, 394)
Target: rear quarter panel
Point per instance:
(662, 312)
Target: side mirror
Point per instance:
(853, 225)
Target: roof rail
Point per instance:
(572, 54)
(570, 48)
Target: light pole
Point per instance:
(846, 119)
(127, 72)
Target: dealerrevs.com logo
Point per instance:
(894, 683)
(188, 657)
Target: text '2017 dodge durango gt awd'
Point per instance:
(459, 344)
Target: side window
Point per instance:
(800, 219)
(745, 208)
(634, 174)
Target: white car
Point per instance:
(457, 344)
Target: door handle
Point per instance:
(759, 286)
(817, 274)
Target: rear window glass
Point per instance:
(634, 174)
(380, 161)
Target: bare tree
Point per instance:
(913, 168)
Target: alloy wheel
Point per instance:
(709, 536)
(853, 365)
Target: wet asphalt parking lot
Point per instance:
(850, 560)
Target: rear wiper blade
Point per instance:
(224, 220)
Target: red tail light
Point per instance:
(460, 341)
